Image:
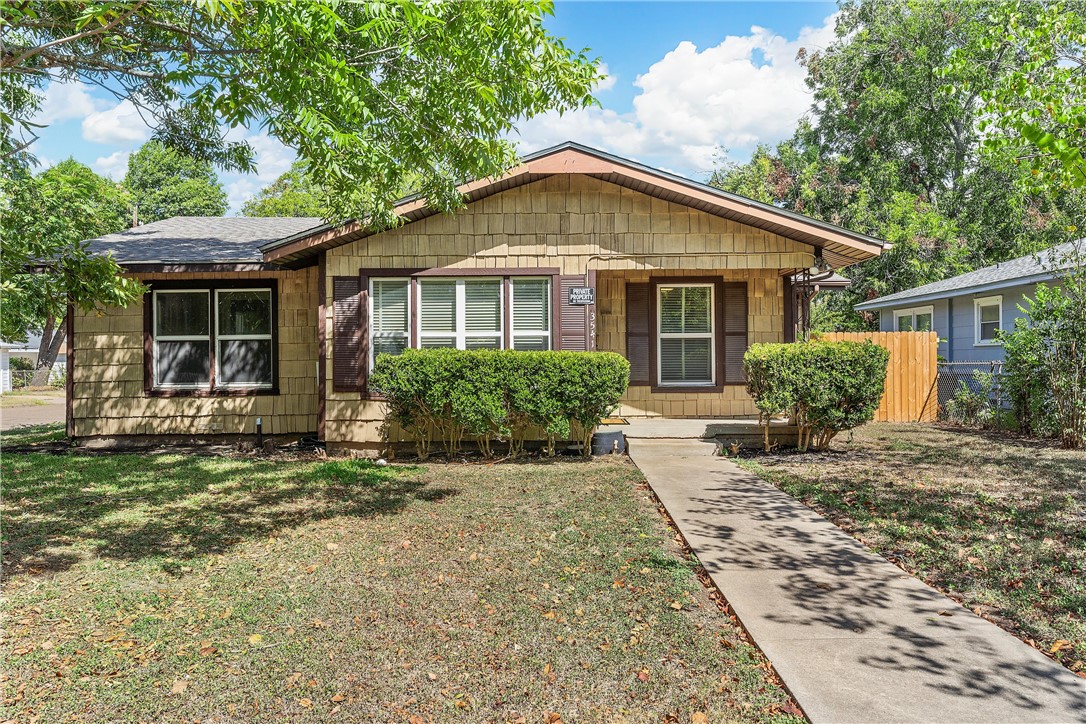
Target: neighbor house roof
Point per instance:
(1023, 270)
(840, 246)
(199, 240)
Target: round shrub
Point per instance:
(826, 387)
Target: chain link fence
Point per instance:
(971, 392)
(21, 378)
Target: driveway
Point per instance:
(853, 637)
(27, 409)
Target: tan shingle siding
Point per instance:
(107, 384)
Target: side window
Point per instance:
(989, 319)
(918, 319)
(182, 339)
(209, 339)
(244, 338)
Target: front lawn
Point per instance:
(997, 522)
(184, 587)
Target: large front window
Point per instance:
(467, 313)
(210, 339)
(685, 346)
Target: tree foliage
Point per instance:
(1045, 370)
(44, 262)
(892, 148)
(1042, 99)
(499, 395)
(292, 194)
(369, 94)
(165, 182)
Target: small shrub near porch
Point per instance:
(826, 387)
(499, 395)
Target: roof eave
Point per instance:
(570, 157)
(881, 303)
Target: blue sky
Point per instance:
(685, 78)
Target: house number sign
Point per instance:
(582, 296)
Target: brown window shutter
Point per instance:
(735, 332)
(572, 319)
(638, 330)
(348, 339)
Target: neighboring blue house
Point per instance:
(967, 311)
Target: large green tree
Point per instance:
(372, 95)
(292, 194)
(165, 182)
(47, 219)
(892, 147)
(371, 92)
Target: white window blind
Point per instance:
(531, 303)
(460, 313)
(437, 313)
(389, 315)
(686, 346)
(483, 313)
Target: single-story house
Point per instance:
(968, 311)
(574, 249)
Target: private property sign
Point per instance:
(582, 296)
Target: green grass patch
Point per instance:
(32, 435)
(147, 587)
(996, 521)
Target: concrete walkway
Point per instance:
(853, 637)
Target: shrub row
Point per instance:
(499, 396)
(825, 387)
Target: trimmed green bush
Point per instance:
(499, 395)
(826, 387)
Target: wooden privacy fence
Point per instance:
(911, 391)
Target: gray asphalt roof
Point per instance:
(1026, 269)
(199, 239)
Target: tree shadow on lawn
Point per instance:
(60, 509)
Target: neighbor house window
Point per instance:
(913, 320)
(989, 319)
(213, 339)
(467, 313)
(686, 346)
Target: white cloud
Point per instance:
(63, 101)
(744, 91)
(240, 191)
(120, 125)
(272, 160)
(608, 81)
(113, 166)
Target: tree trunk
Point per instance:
(51, 341)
